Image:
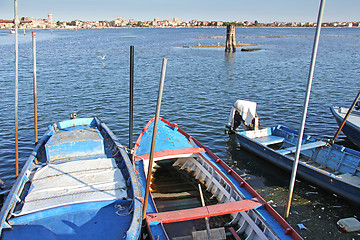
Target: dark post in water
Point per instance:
(16, 24)
(35, 87)
(230, 38)
(131, 103)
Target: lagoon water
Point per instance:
(201, 84)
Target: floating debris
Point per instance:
(305, 220)
(250, 49)
(311, 193)
(349, 224)
(302, 226)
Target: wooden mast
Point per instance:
(153, 141)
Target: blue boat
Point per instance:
(352, 126)
(248, 215)
(330, 166)
(78, 183)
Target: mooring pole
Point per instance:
(35, 87)
(153, 141)
(346, 117)
(230, 38)
(16, 23)
(306, 104)
(131, 103)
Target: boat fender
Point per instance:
(288, 231)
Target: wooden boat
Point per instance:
(250, 217)
(329, 166)
(352, 126)
(78, 183)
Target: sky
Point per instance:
(185, 10)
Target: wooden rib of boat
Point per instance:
(78, 183)
(329, 166)
(249, 215)
(352, 126)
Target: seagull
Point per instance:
(102, 57)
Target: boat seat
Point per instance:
(303, 147)
(73, 182)
(78, 143)
(268, 140)
(202, 212)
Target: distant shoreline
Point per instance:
(199, 27)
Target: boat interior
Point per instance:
(77, 186)
(228, 203)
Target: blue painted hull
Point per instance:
(225, 184)
(97, 212)
(351, 130)
(334, 168)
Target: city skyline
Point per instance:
(141, 10)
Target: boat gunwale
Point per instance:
(21, 180)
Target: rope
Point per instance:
(121, 208)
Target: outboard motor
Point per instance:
(242, 113)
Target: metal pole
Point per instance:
(16, 23)
(35, 87)
(306, 104)
(148, 178)
(346, 117)
(131, 104)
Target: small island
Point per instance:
(240, 44)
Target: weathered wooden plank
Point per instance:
(202, 212)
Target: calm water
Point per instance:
(200, 87)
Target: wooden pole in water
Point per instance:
(131, 104)
(153, 141)
(35, 87)
(16, 23)
(230, 38)
(306, 104)
(346, 117)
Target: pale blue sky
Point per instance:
(231, 10)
